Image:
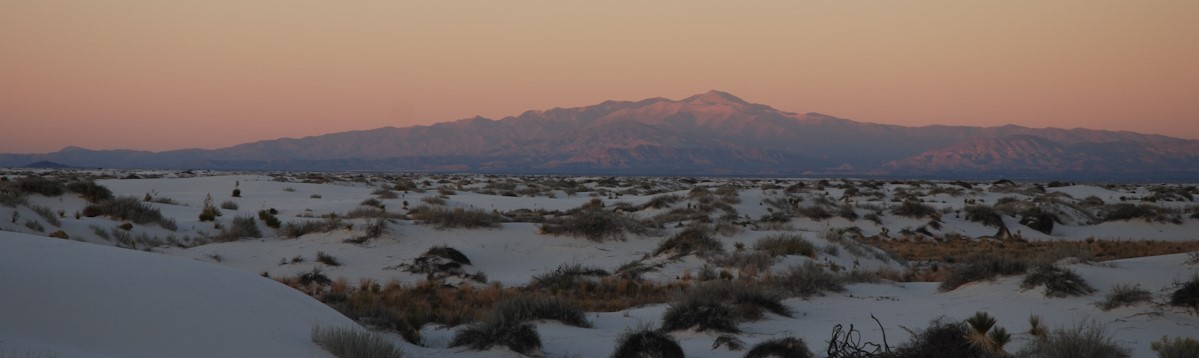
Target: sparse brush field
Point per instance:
(471, 265)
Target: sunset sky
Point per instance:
(159, 75)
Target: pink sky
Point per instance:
(159, 75)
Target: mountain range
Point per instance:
(713, 133)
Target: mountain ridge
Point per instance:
(712, 133)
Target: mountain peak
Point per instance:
(715, 97)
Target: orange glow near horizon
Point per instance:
(160, 75)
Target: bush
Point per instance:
(229, 205)
(90, 191)
(449, 253)
(914, 209)
(296, 229)
(209, 212)
(985, 215)
(444, 218)
(519, 336)
(270, 219)
(647, 343)
(1127, 211)
(1177, 348)
(789, 347)
(242, 227)
(1058, 282)
(694, 239)
(939, 339)
(748, 299)
(786, 244)
(978, 268)
(702, 313)
(39, 185)
(808, 280)
(1187, 295)
(592, 223)
(236, 193)
(128, 208)
(1124, 295)
(567, 276)
(524, 308)
(350, 342)
(1082, 340)
(327, 259)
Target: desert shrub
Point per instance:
(1058, 282)
(749, 300)
(327, 259)
(1188, 295)
(979, 268)
(984, 214)
(236, 193)
(1087, 339)
(808, 280)
(444, 218)
(46, 214)
(789, 347)
(209, 212)
(385, 194)
(229, 205)
(846, 211)
(269, 218)
(814, 212)
(939, 339)
(518, 336)
(1178, 348)
(128, 208)
(662, 201)
(35, 225)
(39, 185)
(693, 239)
(294, 229)
(241, 227)
(351, 342)
(433, 200)
(592, 223)
(1127, 211)
(525, 308)
(914, 209)
(1124, 295)
(567, 276)
(757, 260)
(702, 313)
(786, 244)
(371, 202)
(449, 253)
(644, 342)
(90, 191)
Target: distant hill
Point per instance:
(713, 133)
(46, 165)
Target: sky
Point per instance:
(160, 75)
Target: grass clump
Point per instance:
(517, 335)
(691, 240)
(1188, 295)
(702, 313)
(526, 308)
(568, 276)
(1124, 295)
(1081, 340)
(644, 342)
(242, 227)
(229, 205)
(39, 185)
(808, 280)
(347, 342)
(1177, 348)
(269, 219)
(984, 214)
(789, 347)
(1058, 282)
(749, 300)
(1128, 211)
(786, 244)
(979, 268)
(914, 209)
(293, 229)
(593, 223)
(90, 191)
(327, 259)
(128, 208)
(445, 218)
